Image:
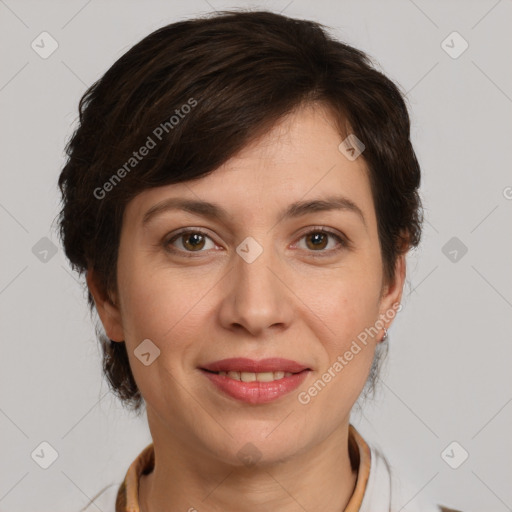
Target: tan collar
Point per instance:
(128, 493)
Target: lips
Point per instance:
(244, 365)
(255, 392)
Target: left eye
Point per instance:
(318, 240)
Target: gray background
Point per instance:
(448, 374)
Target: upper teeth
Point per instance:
(251, 377)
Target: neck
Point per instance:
(320, 478)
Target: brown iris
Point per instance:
(320, 240)
(198, 241)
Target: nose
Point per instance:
(257, 296)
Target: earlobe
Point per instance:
(108, 311)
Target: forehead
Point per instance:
(297, 160)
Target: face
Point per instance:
(259, 280)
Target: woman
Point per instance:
(241, 194)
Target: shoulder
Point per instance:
(104, 500)
(385, 486)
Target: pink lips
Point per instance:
(255, 392)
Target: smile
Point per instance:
(255, 377)
(255, 388)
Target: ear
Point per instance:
(108, 311)
(391, 294)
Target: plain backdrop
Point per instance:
(447, 377)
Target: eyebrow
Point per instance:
(216, 212)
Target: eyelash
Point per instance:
(342, 241)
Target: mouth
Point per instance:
(255, 382)
(255, 391)
(274, 365)
(253, 376)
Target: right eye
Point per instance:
(189, 240)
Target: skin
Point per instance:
(286, 303)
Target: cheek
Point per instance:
(348, 349)
(156, 307)
(348, 309)
(163, 304)
(346, 304)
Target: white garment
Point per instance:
(384, 492)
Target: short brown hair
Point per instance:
(238, 73)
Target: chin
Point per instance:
(258, 448)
